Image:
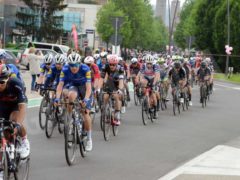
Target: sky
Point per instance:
(154, 2)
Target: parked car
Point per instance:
(12, 59)
(24, 54)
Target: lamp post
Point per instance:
(228, 36)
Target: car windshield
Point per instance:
(11, 55)
(65, 49)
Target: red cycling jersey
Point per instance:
(95, 72)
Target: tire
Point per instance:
(115, 128)
(174, 105)
(42, 115)
(102, 118)
(145, 111)
(70, 141)
(23, 167)
(4, 166)
(51, 121)
(106, 122)
(136, 98)
(82, 141)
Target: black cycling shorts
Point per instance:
(6, 110)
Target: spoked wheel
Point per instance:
(82, 143)
(203, 97)
(136, 100)
(93, 114)
(106, 122)
(70, 140)
(102, 118)
(114, 127)
(60, 119)
(42, 111)
(4, 165)
(51, 122)
(179, 107)
(152, 115)
(22, 172)
(175, 105)
(145, 111)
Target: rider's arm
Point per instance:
(41, 77)
(22, 112)
(88, 84)
(60, 85)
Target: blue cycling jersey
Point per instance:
(53, 76)
(44, 69)
(78, 79)
(14, 71)
(99, 64)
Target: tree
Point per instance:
(50, 25)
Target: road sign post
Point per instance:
(116, 39)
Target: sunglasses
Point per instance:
(3, 81)
(149, 63)
(48, 64)
(112, 64)
(74, 65)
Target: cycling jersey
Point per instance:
(135, 69)
(11, 97)
(44, 69)
(149, 73)
(187, 70)
(79, 79)
(14, 72)
(99, 63)
(113, 77)
(53, 76)
(95, 74)
(203, 72)
(176, 76)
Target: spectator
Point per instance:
(34, 59)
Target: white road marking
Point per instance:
(235, 88)
(221, 160)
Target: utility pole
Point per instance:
(169, 29)
(228, 37)
(116, 34)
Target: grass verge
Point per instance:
(235, 78)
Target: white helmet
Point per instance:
(60, 59)
(74, 58)
(3, 54)
(149, 59)
(120, 59)
(89, 60)
(134, 60)
(48, 58)
(103, 55)
(96, 56)
(208, 60)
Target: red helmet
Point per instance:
(113, 59)
(4, 71)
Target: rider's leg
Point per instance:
(117, 105)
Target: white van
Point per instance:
(61, 49)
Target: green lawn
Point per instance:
(234, 78)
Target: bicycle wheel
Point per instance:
(4, 165)
(202, 90)
(23, 167)
(41, 114)
(93, 114)
(70, 140)
(135, 98)
(114, 127)
(106, 122)
(145, 110)
(186, 101)
(60, 114)
(102, 118)
(51, 122)
(174, 105)
(82, 140)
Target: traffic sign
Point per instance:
(116, 40)
(90, 31)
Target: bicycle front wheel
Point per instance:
(41, 114)
(70, 140)
(145, 110)
(50, 123)
(106, 122)
(23, 167)
(4, 165)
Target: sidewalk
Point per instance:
(220, 163)
(28, 79)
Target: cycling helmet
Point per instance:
(113, 59)
(60, 59)
(96, 56)
(3, 54)
(185, 60)
(4, 71)
(177, 65)
(168, 56)
(203, 64)
(120, 59)
(103, 54)
(208, 60)
(134, 60)
(48, 58)
(161, 61)
(149, 59)
(74, 58)
(89, 60)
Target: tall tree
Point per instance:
(50, 25)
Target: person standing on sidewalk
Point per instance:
(34, 65)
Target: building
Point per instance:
(175, 6)
(162, 11)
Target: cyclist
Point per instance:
(103, 62)
(187, 68)
(177, 77)
(150, 75)
(163, 67)
(44, 68)
(53, 75)
(123, 63)
(79, 77)
(95, 74)
(210, 65)
(14, 71)
(134, 69)
(97, 59)
(204, 74)
(113, 76)
(13, 106)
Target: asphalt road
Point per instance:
(140, 152)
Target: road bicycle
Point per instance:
(12, 166)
